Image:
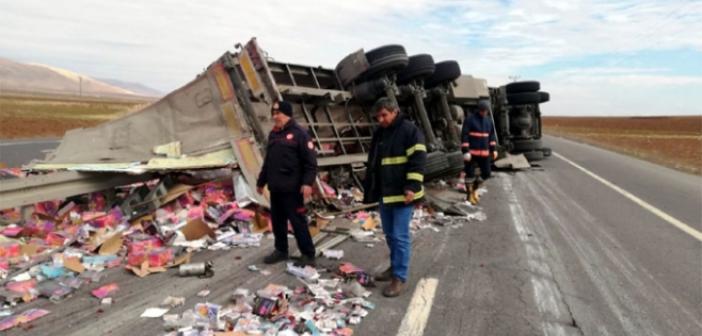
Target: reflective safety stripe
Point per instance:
(393, 160)
(417, 147)
(479, 134)
(465, 144)
(493, 143)
(480, 152)
(401, 198)
(415, 176)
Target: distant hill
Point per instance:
(39, 78)
(137, 88)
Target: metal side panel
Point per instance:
(34, 189)
(186, 115)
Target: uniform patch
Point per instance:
(290, 136)
(310, 145)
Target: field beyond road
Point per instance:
(675, 142)
(51, 116)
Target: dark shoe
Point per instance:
(385, 275)
(394, 289)
(275, 257)
(307, 261)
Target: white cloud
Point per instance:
(166, 43)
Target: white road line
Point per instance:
(415, 319)
(658, 212)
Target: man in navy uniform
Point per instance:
(394, 178)
(289, 170)
(478, 136)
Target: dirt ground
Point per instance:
(675, 142)
(42, 117)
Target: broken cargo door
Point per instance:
(240, 135)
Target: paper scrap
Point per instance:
(73, 264)
(111, 245)
(175, 192)
(145, 269)
(370, 224)
(105, 291)
(154, 312)
(196, 229)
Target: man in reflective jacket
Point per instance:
(394, 178)
(478, 137)
(289, 170)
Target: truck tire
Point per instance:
(544, 96)
(526, 145)
(523, 98)
(446, 71)
(351, 67)
(546, 151)
(420, 66)
(389, 58)
(525, 86)
(437, 163)
(368, 91)
(534, 156)
(455, 161)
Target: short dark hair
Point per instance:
(385, 103)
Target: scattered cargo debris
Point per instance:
(158, 185)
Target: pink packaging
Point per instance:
(160, 257)
(10, 250)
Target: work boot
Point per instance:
(306, 260)
(476, 185)
(394, 288)
(275, 257)
(471, 194)
(385, 275)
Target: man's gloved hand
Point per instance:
(466, 157)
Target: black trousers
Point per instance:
(290, 206)
(478, 161)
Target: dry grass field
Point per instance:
(51, 116)
(671, 141)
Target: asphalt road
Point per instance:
(15, 153)
(560, 253)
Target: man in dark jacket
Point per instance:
(478, 137)
(289, 170)
(394, 178)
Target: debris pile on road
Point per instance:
(318, 307)
(144, 227)
(151, 226)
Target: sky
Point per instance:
(596, 58)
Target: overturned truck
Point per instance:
(221, 118)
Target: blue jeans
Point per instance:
(396, 225)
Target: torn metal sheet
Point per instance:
(220, 158)
(513, 162)
(448, 201)
(58, 185)
(170, 150)
(244, 195)
(186, 115)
